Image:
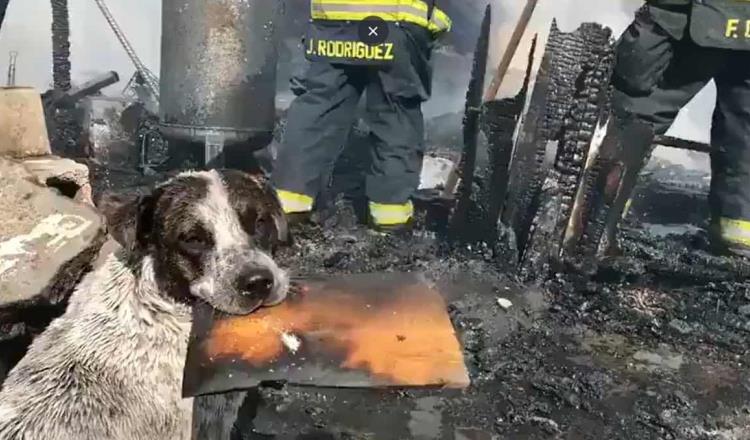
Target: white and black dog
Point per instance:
(111, 367)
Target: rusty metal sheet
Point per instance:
(354, 331)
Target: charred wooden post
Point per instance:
(579, 84)
(472, 114)
(527, 171)
(500, 121)
(590, 97)
(64, 132)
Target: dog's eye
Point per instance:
(194, 243)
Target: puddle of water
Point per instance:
(471, 434)
(616, 352)
(426, 419)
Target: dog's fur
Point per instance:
(111, 367)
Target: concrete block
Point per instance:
(47, 242)
(23, 130)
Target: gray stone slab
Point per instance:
(47, 241)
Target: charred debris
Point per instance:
(521, 200)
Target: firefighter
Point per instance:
(381, 49)
(669, 53)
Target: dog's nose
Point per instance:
(256, 282)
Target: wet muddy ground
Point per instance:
(653, 346)
(642, 351)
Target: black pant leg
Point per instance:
(318, 123)
(730, 159)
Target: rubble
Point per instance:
(67, 176)
(504, 303)
(47, 243)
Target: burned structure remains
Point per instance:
(520, 189)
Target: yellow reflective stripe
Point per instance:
(293, 202)
(386, 215)
(413, 11)
(735, 231)
(625, 211)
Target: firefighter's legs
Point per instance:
(394, 114)
(644, 105)
(318, 122)
(397, 132)
(730, 159)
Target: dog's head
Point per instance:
(209, 235)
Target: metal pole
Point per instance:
(151, 80)
(12, 68)
(515, 39)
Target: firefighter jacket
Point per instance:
(421, 13)
(336, 31)
(723, 24)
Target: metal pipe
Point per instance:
(12, 68)
(90, 87)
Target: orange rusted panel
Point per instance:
(374, 330)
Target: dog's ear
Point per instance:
(129, 217)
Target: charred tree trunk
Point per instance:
(60, 45)
(63, 131)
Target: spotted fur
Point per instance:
(111, 367)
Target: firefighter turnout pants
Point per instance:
(320, 118)
(656, 75)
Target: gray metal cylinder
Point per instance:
(218, 69)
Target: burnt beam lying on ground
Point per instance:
(682, 144)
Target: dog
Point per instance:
(110, 368)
